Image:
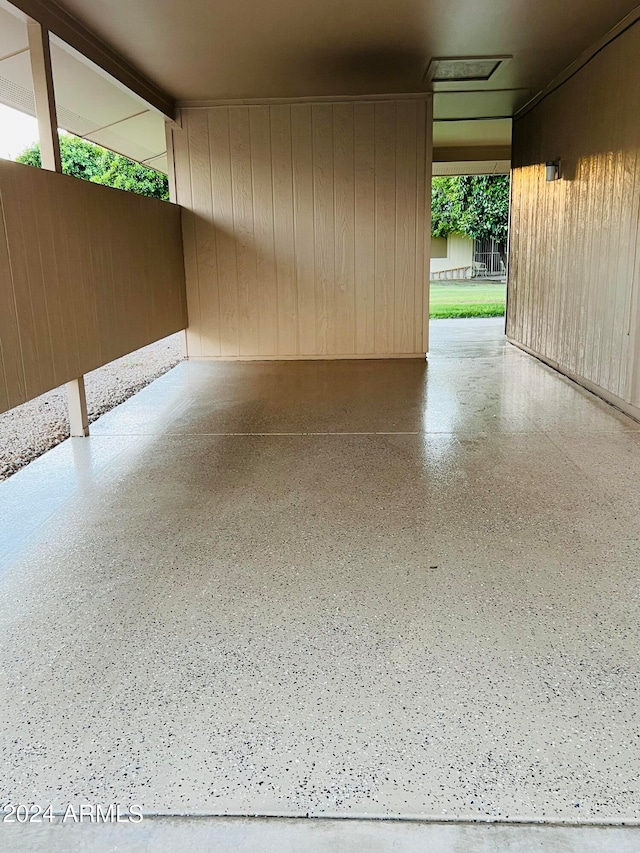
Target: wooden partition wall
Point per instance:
(87, 274)
(306, 228)
(574, 266)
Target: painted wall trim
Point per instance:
(454, 119)
(319, 99)
(66, 27)
(585, 384)
(592, 51)
(323, 357)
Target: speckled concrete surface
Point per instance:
(430, 610)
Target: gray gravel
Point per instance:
(27, 431)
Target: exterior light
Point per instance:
(552, 170)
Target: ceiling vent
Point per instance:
(463, 69)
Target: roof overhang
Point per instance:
(90, 103)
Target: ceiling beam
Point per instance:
(461, 153)
(309, 99)
(62, 24)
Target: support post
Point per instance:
(45, 101)
(77, 405)
(173, 198)
(40, 53)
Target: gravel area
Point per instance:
(27, 431)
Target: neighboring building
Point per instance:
(458, 256)
(451, 256)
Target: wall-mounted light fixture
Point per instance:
(552, 172)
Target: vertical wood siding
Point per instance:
(574, 261)
(87, 274)
(305, 228)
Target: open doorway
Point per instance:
(469, 232)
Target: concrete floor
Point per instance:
(335, 589)
(292, 835)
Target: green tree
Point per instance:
(446, 208)
(90, 162)
(475, 205)
(123, 174)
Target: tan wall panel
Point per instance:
(305, 229)
(87, 274)
(574, 270)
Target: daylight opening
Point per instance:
(469, 232)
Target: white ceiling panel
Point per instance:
(143, 136)
(79, 87)
(16, 86)
(13, 34)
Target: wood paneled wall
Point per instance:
(574, 262)
(87, 274)
(306, 228)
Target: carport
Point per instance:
(331, 565)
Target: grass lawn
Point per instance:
(466, 299)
